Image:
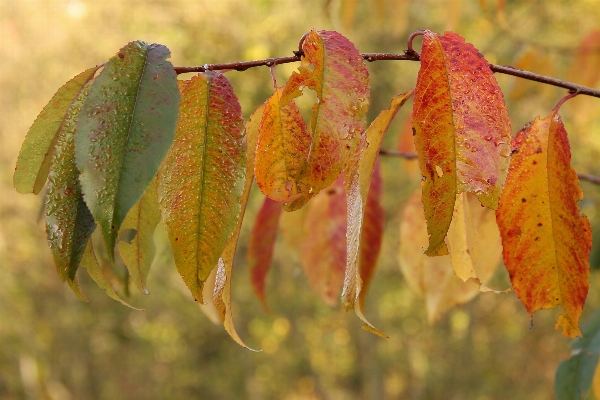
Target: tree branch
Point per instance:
(412, 156)
(408, 56)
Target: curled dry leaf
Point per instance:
(462, 131)
(546, 242)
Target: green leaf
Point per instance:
(202, 177)
(125, 129)
(35, 157)
(574, 376)
(138, 251)
(69, 223)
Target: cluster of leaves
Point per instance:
(125, 144)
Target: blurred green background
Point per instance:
(54, 346)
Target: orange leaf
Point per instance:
(335, 70)
(323, 249)
(462, 131)
(546, 242)
(281, 150)
(260, 247)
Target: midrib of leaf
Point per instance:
(208, 81)
(112, 218)
(316, 139)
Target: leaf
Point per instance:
(281, 151)
(433, 277)
(201, 179)
(125, 129)
(323, 247)
(371, 236)
(138, 253)
(357, 178)
(473, 239)
(35, 157)
(222, 291)
(335, 70)
(90, 263)
(574, 377)
(69, 223)
(546, 242)
(261, 244)
(462, 131)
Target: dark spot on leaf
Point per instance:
(534, 162)
(523, 200)
(414, 131)
(68, 191)
(112, 227)
(347, 147)
(331, 191)
(539, 224)
(514, 151)
(539, 149)
(536, 238)
(121, 55)
(176, 239)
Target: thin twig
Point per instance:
(412, 156)
(502, 69)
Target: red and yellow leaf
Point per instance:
(323, 248)
(546, 242)
(462, 131)
(335, 70)
(261, 244)
(281, 151)
(202, 178)
(222, 291)
(357, 179)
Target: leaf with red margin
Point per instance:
(261, 244)
(546, 242)
(222, 292)
(202, 177)
(335, 70)
(281, 151)
(357, 179)
(323, 247)
(462, 131)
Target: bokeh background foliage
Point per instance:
(54, 346)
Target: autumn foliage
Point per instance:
(126, 144)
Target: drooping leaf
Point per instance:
(335, 70)
(281, 151)
(201, 179)
(462, 131)
(125, 129)
(433, 277)
(371, 236)
(546, 242)
(473, 240)
(575, 375)
(138, 252)
(357, 179)
(323, 246)
(261, 244)
(222, 291)
(90, 263)
(69, 223)
(35, 157)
